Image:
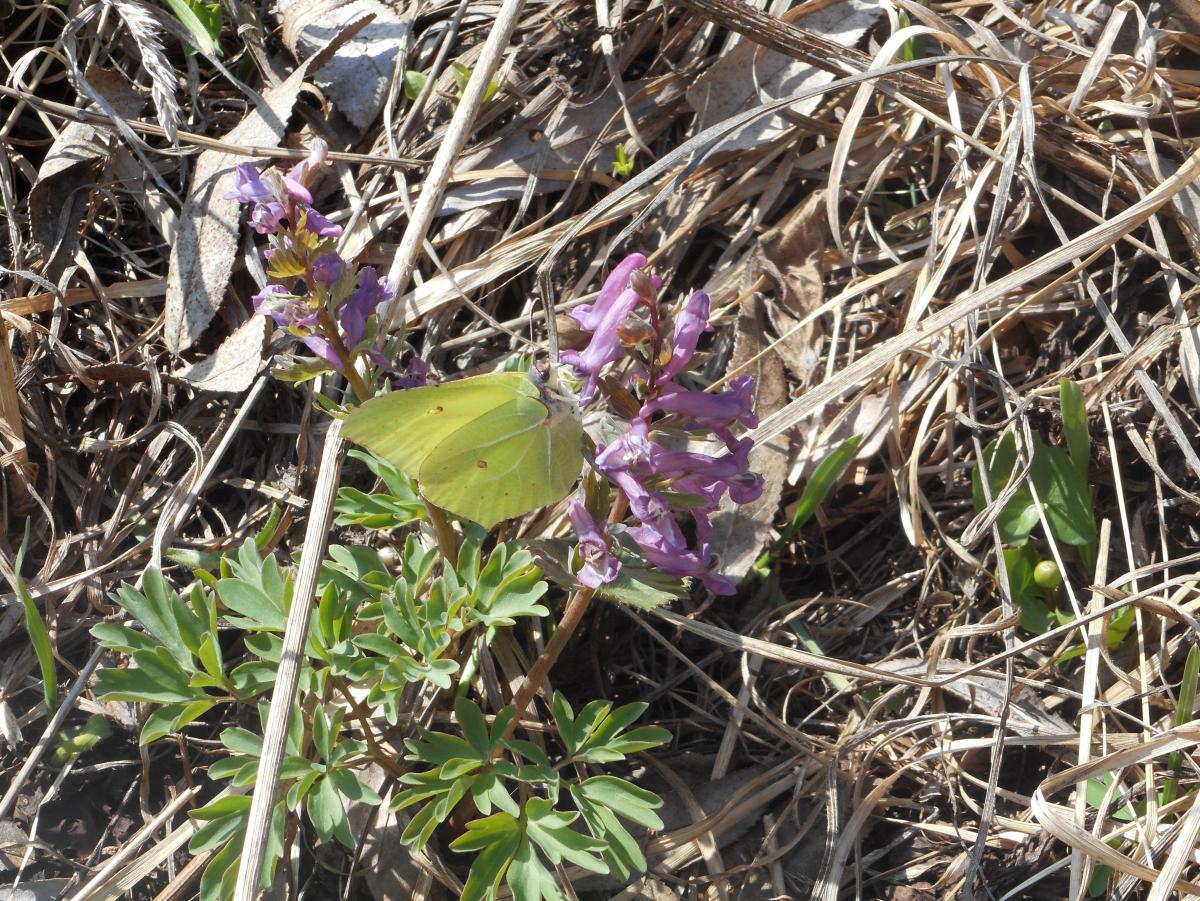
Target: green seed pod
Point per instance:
(1046, 575)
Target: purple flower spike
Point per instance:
(319, 225)
(359, 306)
(599, 565)
(691, 322)
(708, 411)
(589, 316)
(328, 269)
(250, 186)
(605, 347)
(288, 310)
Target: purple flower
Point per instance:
(664, 547)
(319, 225)
(599, 565)
(304, 173)
(708, 411)
(323, 349)
(250, 186)
(646, 504)
(710, 578)
(630, 451)
(415, 374)
(702, 466)
(359, 306)
(605, 347)
(266, 216)
(288, 310)
(624, 461)
(589, 316)
(328, 269)
(689, 324)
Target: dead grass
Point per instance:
(916, 252)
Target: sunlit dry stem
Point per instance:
(541, 667)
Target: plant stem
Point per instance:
(329, 330)
(541, 667)
(447, 539)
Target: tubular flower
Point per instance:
(599, 565)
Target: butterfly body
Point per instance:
(486, 448)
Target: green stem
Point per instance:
(329, 330)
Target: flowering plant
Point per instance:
(654, 482)
(316, 295)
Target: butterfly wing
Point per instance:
(492, 468)
(404, 427)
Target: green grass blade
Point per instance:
(198, 30)
(1183, 713)
(824, 477)
(1075, 427)
(36, 628)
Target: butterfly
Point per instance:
(486, 448)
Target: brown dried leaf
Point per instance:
(532, 150)
(789, 255)
(358, 75)
(233, 365)
(59, 197)
(987, 694)
(746, 75)
(740, 533)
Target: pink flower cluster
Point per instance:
(661, 484)
(319, 297)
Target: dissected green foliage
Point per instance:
(385, 635)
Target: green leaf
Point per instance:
(474, 726)
(171, 718)
(1035, 615)
(257, 589)
(641, 587)
(242, 741)
(1075, 427)
(414, 83)
(199, 31)
(222, 818)
(1066, 496)
(324, 806)
(623, 798)
(551, 831)
(1183, 713)
(1019, 516)
(217, 882)
(622, 853)
(821, 482)
(116, 637)
(500, 843)
(39, 637)
(163, 613)
(157, 678)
